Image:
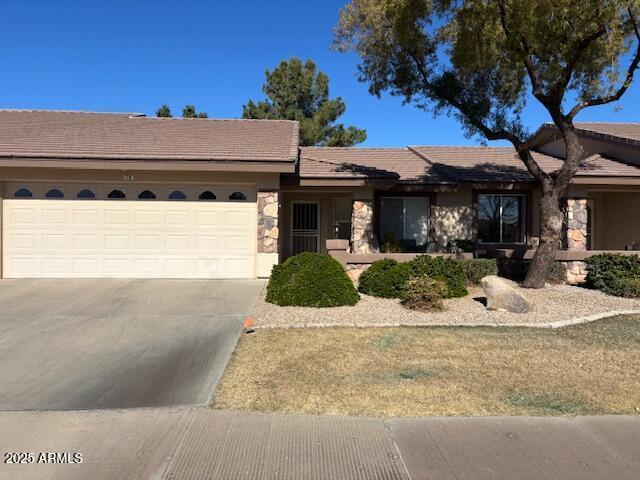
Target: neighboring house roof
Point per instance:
(400, 164)
(47, 134)
(617, 132)
(627, 132)
(487, 164)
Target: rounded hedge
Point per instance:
(615, 274)
(475, 269)
(446, 270)
(311, 280)
(385, 278)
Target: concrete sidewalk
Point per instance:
(195, 443)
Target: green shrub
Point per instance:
(477, 268)
(424, 294)
(311, 280)
(446, 270)
(385, 278)
(615, 274)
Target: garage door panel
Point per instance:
(21, 216)
(116, 216)
(53, 241)
(22, 240)
(53, 215)
(128, 239)
(86, 216)
(115, 241)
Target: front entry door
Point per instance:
(305, 231)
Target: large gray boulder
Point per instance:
(504, 295)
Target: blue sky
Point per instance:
(134, 55)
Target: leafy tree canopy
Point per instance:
(483, 60)
(479, 59)
(164, 111)
(189, 111)
(297, 91)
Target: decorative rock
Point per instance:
(503, 295)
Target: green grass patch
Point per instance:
(547, 404)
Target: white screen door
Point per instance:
(305, 231)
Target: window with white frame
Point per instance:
(405, 219)
(501, 218)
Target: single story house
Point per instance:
(124, 195)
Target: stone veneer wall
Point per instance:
(576, 230)
(576, 238)
(362, 226)
(268, 231)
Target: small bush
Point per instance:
(385, 278)
(424, 294)
(446, 270)
(477, 268)
(310, 280)
(624, 287)
(615, 274)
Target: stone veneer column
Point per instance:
(576, 229)
(268, 232)
(362, 226)
(576, 238)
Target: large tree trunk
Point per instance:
(551, 221)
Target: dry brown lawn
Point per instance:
(584, 369)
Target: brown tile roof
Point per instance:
(85, 135)
(627, 132)
(483, 164)
(375, 163)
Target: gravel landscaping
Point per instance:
(553, 306)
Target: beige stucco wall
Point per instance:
(452, 216)
(615, 219)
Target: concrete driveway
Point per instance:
(87, 344)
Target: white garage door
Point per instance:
(128, 239)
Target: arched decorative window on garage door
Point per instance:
(177, 195)
(237, 196)
(23, 193)
(207, 195)
(54, 193)
(86, 194)
(147, 195)
(116, 194)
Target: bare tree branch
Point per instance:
(625, 85)
(522, 148)
(567, 73)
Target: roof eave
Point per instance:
(257, 166)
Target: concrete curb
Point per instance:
(550, 325)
